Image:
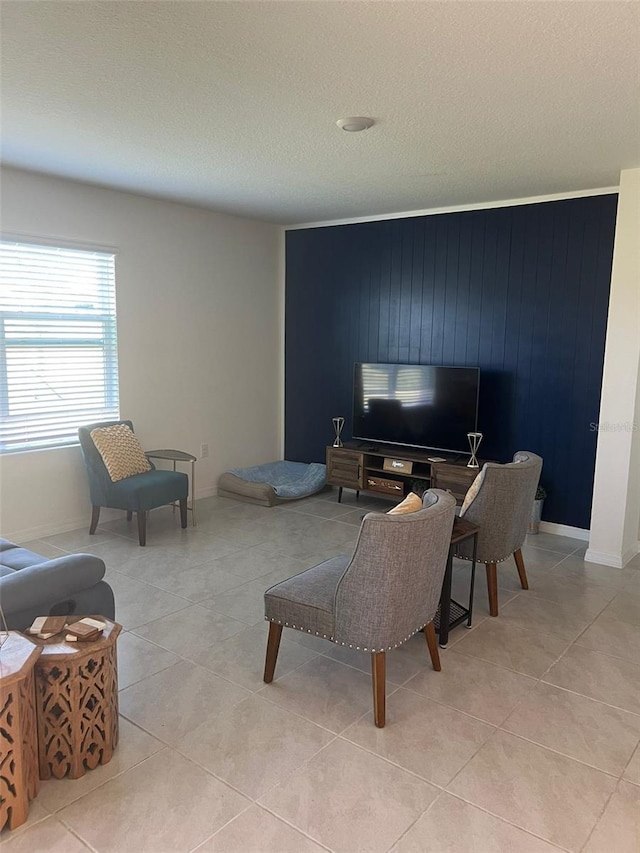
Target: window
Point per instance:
(58, 357)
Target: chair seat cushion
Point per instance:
(307, 601)
(148, 491)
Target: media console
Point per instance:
(369, 468)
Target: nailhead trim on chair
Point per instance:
(339, 643)
(501, 560)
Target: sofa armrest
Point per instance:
(50, 581)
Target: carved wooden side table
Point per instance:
(77, 703)
(18, 735)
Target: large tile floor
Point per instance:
(526, 742)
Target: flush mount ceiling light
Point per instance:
(354, 124)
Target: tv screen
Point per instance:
(417, 405)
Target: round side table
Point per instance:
(179, 456)
(77, 703)
(19, 782)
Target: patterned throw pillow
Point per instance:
(120, 450)
(474, 488)
(412, 503)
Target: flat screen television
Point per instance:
(416, 405)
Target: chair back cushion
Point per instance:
(99, 480)
(121, 451)
(391, 587)
(474, 488)
(502, 507)
(412, 503)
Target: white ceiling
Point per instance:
(232, 105)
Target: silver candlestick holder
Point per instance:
(474, 443)
(338, 423)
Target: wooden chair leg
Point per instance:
(183, 513)
(430, 634)
(378, 662)
(522, 572)
(492, 586)
(95, 517)
(129, 515)
(273, 644)
(142, 528)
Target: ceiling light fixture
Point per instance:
(354, 124)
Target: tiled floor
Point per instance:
(526, 742)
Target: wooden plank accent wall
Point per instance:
(522, 292)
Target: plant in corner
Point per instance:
(536, 510)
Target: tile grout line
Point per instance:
(557, 752)
(291, 825)
(509, 822)
(100, 785)
(626, 767)
(600, 816)
(255, 800)
(297, 714)
(414, 822)
(76, 834)
(589, 698)
(453, 708)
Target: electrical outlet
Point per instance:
(204, 450)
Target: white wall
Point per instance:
(199, 337)
(616, 497)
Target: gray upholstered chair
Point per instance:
(500, 502)
(378, 598)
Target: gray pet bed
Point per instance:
(273, 482)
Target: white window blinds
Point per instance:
(58, 356)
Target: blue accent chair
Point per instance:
(138, 493)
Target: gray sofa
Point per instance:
(32, 585)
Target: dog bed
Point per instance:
(273, 482)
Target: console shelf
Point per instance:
(363, 469)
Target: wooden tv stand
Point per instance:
(361, 466)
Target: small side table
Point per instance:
(180, 456)
(19, 782)
(77, 703)
(451, 613)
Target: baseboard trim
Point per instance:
(41, 531)
(631, 553)
(565, 530)
(616, 561)
(605, 559)
(206, 493)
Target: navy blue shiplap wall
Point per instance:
(522, 292)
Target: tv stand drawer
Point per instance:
(384, 486)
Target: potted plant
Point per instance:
(536, 511)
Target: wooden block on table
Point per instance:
(46, 626)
